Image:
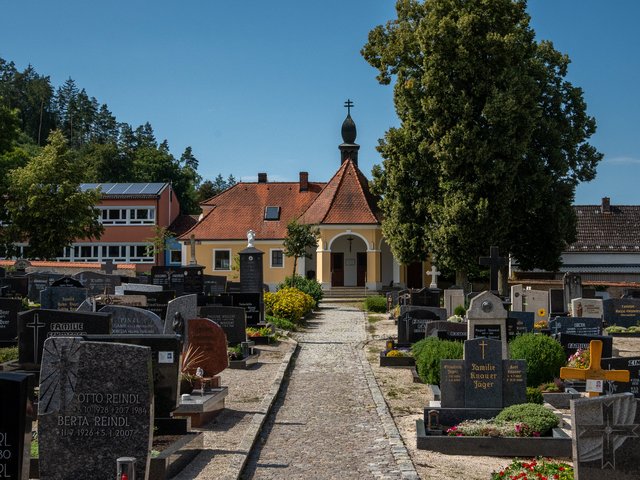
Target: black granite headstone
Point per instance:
(15, 286)
(556, 302)
(67, 282)
(452, 380)
(9, 308)
(483, 372)
(514, 382)
(519, 323)
(16, 415)
(233, 321)
(34, 326)
(156, 301)
(576, 326)
(624, 312)
(98, 283)
(447, 330)
(571, 343)
(251, 275)
(62, 298)
(252, 304)
(38, 282)
(623, 363)
(412, 325)
(214, 284)
(426, 297)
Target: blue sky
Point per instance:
(259, 86)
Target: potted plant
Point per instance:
(191, 357)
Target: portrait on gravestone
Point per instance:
(96, 405)
(606, 443)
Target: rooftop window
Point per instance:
(272, 213)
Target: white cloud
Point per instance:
(623, 160)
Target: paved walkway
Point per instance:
(330, 419)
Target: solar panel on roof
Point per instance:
(125, 188)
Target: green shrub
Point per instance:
(8, 353)
(281, 323)
(310, 286)
(543, 354)
(376, 303)
(460, 311)
(534, 395)
(429, 352)
(533, 415)
(288, 303)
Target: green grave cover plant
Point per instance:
(534, 416)
(429, 352)
(544, 357)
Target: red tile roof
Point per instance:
(182, 223)
(617, 231)
(344, 200)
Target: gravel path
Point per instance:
(330, 419)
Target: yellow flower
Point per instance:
(542, 312)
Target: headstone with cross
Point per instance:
(108, 267)
(487, 318)
(494, 261)
(434, 274)
(595, 376)
(606, 439)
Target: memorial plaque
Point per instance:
(252, 304)
(98, 283)
(133, 321)
(34, 326)
(487, 331)
(62, 298)
(514, 382)
(519, 323)
(576, 326)
(95, 406)
(571, 343)
(606, 439)
(67, 282)
(447, 330)
(483, 372)
(623, 363)
(208, 338)
(16, 415)
(586, 307)
(452, 378)
(9, 308)
(214, 284)
(251, 276)
(232, 320)
(624, 312)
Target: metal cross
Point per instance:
(494, 262)
(434, 273)
(348, 104)
(35, 324)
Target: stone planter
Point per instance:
(262, 340)
(245, 362)
(558, 445)
(396, 361)
(561, 399)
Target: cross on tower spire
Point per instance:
(348, 104)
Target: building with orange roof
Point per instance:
(351, 250)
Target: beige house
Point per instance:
(351, 250)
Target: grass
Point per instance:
(8, 353)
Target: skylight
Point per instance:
(272, 213)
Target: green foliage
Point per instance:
(310, 286)
(288, 303)
(45, 205)
(488, 127)
(544, 357)
(375, 303)
(537, 417)
(429, 352)
(8, 353)
(460, 311)
(281, 323)
(534, 395)
(299, 240)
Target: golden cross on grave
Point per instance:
(482, 345)
(595, 371)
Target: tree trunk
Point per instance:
(293, 277)
(462, 280)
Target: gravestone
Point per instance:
(576, 326)
(589, 292)
(487, 318)
(95, 406)
(392, 300)
(16, 415)
(452, 383)
(234, 287)
(138, 288)
(623, 363)
(516, 298)
(426, 297)
(519, 323)
(9, 308)
(98, 283)
(571, 343)
(67, 282)
(586, 307)
(452, 299)
(483, 373)
(536, 301)
(447, 330)
(165, 362)
(412, 325)
(557, 306)
(133, 321)
(233, 321)
(439, 312)
(624, 312)
(494, 261)
(225, 299)
(186, 306)
(606, 442)
(208, 338)
(62, 298)
(214, 284)
(38, 282)
(157, 302)
(34, 326)
(122, 300)
(252, 304)
(572, 286)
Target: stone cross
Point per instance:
(595, 371)
(494, 262)
(434, 273)
(193, 250)
(108, 266)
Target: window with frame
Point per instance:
(175, 256)
(272, 213)
(277, 259)
(222, 259)
(128, 216)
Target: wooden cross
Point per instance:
(595, 371)
(434, 273)
(348, 104)
(494, 262)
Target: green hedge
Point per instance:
(376, 304)
(544, 356)
(535, 416)
(429, 352)
(309, 286)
